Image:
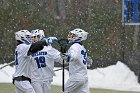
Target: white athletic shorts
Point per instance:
(80, 86)
(42, 86)
(23, 87)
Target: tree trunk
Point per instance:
(135, 38)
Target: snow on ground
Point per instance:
(117, 77)
(6, 74)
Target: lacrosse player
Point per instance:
(21, 77)
(42, 64)
(78, 78)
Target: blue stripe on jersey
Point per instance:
(16, 58)
(84, 53)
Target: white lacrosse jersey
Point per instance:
(77, 62)
(22, 61)
(43, 64)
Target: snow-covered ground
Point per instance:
(117, 77)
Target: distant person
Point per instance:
(23, 51)
(42, 64)
(78, 77)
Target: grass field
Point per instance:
(9, 88)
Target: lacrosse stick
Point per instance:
(61, 68)
(7, 64)
(63, 44)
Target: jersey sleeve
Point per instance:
(73, 53)
(37, 46)
(56, 55)
(23, 49)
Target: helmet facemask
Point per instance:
(37, 35)
(35, 38)
(71, 37)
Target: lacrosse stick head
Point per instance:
(63, 44)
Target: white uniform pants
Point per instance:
(80, 86)
(23, 87)
(42, 86)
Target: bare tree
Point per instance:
(60, 9)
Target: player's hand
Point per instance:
(64, 56)
(51, 40)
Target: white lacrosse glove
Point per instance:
(51, 40)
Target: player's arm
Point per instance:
(40, 45)
(72, 55)
(37, 46)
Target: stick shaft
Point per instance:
(63, 77)
(7, 64)
(61, 68)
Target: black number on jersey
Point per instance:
(40, 61)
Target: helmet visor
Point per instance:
(71, 37)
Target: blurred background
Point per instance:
(108, 41)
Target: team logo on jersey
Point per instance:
(39, 53)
